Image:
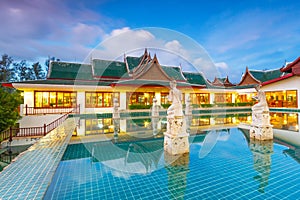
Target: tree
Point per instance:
(24, 71)
(38, 71)
(10, 100)
(48, 61)
(5, 71)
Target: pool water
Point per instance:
(222, 164)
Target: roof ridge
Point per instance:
(108, 60)
(69, 62)
(257, 70)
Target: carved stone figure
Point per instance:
(261, 128)
(176, 138)
(175, 96)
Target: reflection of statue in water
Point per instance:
(262, 151)
(188, 114)
(177, 168)
(261, 128)
(155, 116)
(116, 118)
(175, 96)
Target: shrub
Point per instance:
(135, 107)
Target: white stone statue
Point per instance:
(116, 112)
(176, 138)
(175, 96)
(261, 128)
(262, 104)
(155, 108)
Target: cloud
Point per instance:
(221, 65)
(40, 28)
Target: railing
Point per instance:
(35, 131)
(52, 110)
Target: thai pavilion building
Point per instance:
(134, 82)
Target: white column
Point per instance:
(298, 97)
(81, 130)
(158, 98)
(122, 102)
(187, 95)
(123, 125)
(81, 101)
(29, 98)
(212, 121)
(233, 98)
(211, 98)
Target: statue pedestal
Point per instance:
(261, 129)
(176, 140)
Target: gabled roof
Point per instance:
(150, 69)
(259, 76)
(195, 78)
(109, 69)
(267, 75)
(146, 83)
(174, 72)
(132, 62)
(278, 79)
(66, 70)
(293, 67)
(222, 82)
(248, 78)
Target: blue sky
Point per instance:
(235, 34)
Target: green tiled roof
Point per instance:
(67, 82)
(115, 69)
(195, 78)
(173, 72)
(133, 62)
(149, 82)
(264, 76)
(64, 70)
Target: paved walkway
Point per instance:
(31, 173)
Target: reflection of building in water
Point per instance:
(138, 157)
(177, 167)
(285, 121)
(262, 151)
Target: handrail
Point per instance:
(51, 110)
(11, 132)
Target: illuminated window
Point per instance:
(164, 98)
(282, 98)
(199, 98)
(55, 99)
(100, 99)
(140, 98)
(223, 98)
(98, 126)
(202, 121)
(285, 121)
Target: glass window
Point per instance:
(98, 126)
(223, 98)
(55, 99)
(100, 99)
(199, 98)
(140, 98)
(282, 98)
(285, 121)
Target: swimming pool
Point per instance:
(222, 164)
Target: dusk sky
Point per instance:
(259, 34)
